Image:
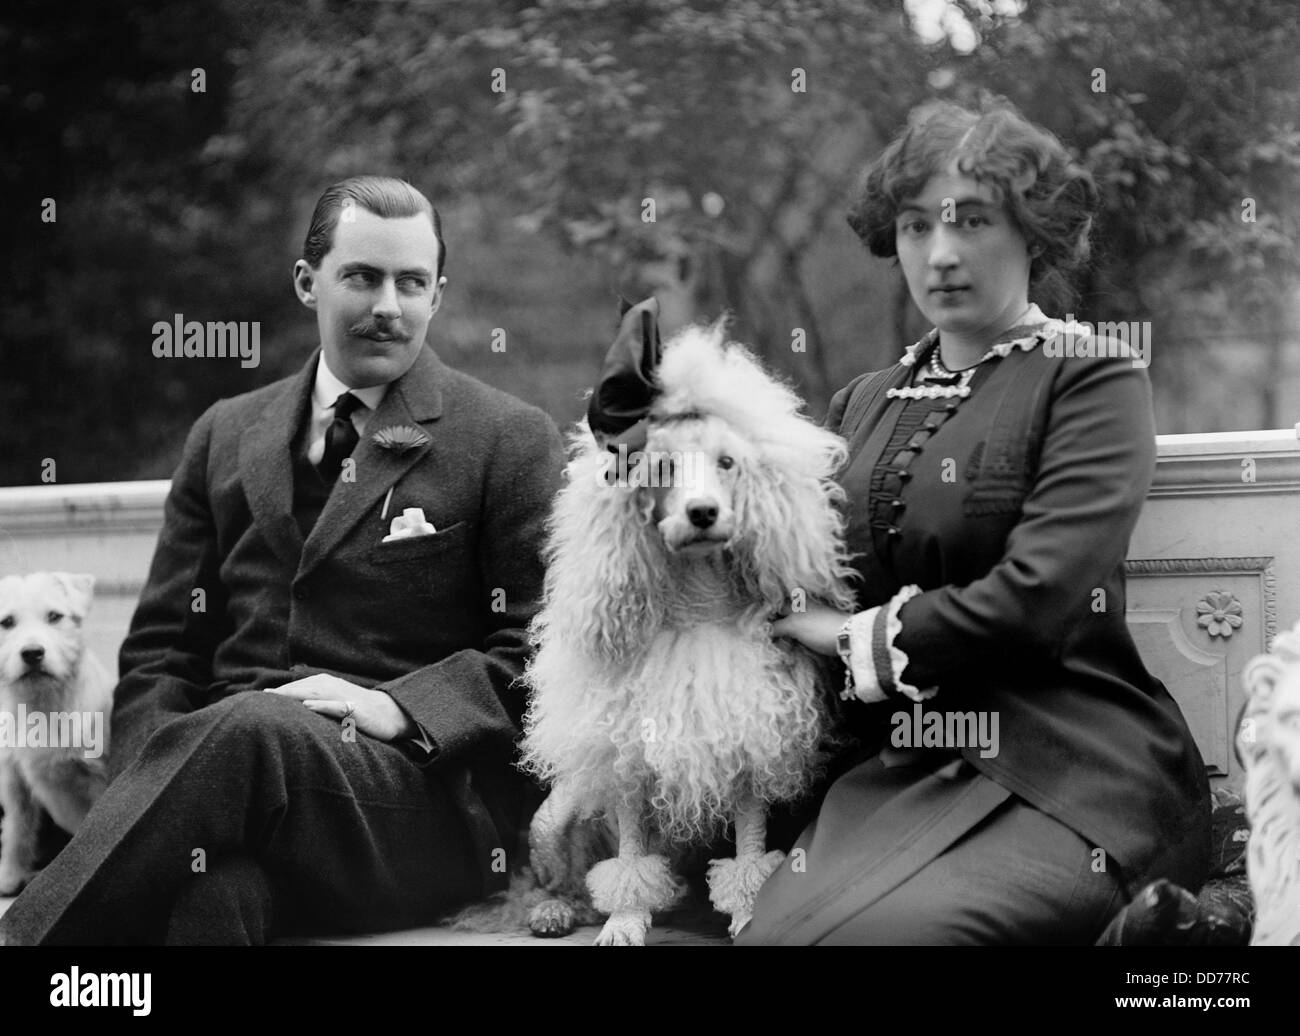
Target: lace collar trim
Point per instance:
(1031, 332)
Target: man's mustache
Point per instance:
(370, 328)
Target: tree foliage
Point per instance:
(547, 127)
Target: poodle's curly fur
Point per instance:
(655, 681)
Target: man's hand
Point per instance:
(375, 712)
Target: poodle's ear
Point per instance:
(604, 563)
(791, 531)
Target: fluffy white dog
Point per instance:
(55, 703)
(659, 698)
(1268, 740)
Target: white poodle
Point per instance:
(659, 699)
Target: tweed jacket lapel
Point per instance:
(414, 399)
(266, 465)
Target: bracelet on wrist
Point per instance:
(844, 648)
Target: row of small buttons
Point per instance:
(903, 459)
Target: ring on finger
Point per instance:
(349, 708)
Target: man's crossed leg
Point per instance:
(249, 818)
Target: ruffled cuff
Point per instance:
(865, 684)
(876, 662)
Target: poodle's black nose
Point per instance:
(702, 514)
(33, 655)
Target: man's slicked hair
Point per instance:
(385, 196)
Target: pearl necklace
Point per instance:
(938, 370)
(958, 382)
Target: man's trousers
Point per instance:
(250, 818)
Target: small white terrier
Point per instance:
(55, 703)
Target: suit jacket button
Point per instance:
(300, 593)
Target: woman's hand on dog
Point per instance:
(375, 712)
(816, 626)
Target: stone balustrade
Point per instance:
(1214, 564)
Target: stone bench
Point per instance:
(1212, 541)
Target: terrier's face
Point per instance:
(40, 624)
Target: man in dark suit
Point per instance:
(362, 541)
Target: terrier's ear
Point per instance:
(79, 587)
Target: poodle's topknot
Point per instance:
(704, 373)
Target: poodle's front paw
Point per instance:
(551, 919)
(734, 884)
(633, 885)
(624, 929)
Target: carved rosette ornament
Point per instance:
(1218, 613)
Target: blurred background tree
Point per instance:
(547, 133)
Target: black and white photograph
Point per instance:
(592, 473)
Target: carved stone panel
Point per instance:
(1197, 621)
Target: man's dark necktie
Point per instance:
(341, 437)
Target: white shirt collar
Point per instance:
(328, 388)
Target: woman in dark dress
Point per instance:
(992, 487)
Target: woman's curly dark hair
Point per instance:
(1050, 198)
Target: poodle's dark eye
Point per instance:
(726, 463)
(8, 622)
(53, 617)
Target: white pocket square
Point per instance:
(410, 523)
